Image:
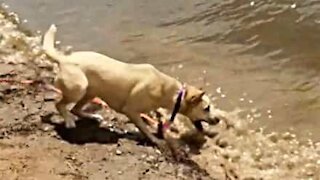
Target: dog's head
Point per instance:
(197, 106)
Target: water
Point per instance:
(263, 54)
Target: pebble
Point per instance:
(118, 152)
(143, 156)
(273, 137)
(47, 128)
(294, 5)
(158, 151)
(58, 42)
(252, 3)
(218, 90)
(257, 115)
(150, 159)
(222, 143)
(288, 136)
(180, 66)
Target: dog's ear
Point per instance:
(194, 96)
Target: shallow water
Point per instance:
(260, 56)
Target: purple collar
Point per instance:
(181, 93)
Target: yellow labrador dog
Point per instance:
(129, 89)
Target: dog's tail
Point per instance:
(48, 45)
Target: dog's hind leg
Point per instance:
(73, 84)
(68, 118)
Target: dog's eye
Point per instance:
(207, 109)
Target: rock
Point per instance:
(274, 137)
(288, 136)
(222, 143)
(118, 152)
(150, 159)
(47, 127)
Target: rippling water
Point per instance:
(260, 56)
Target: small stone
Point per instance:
(294, 5)
(218, 90)
(273, 137)
(180, 66)
(252, 3)
(257, 115)
(254, 110)
(222, 143)
(47, 128)
(288, 136)
(158, 151)
(120, 172)
(118, 152)
(150, 159)
(143, 156)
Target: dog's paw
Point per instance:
(97, 117)
(70, 124)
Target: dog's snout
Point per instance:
(213, 120)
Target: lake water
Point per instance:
(260, 56)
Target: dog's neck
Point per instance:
(171, 95)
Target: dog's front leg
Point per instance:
(137, 120)
(78, 110)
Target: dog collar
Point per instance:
(181, 94)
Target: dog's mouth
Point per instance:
(210, 121)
